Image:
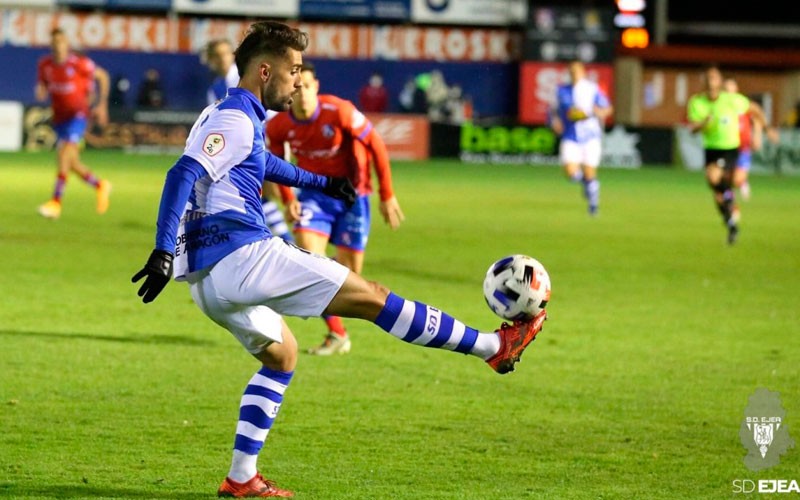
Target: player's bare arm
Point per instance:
(389, 206)
(603, 112)
(699, 125)
(40, 92)
(556, 124)
(293, 210)
(100, 108)
(756, 112)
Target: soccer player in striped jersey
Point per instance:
(211, 233)
(220, 60)
(68, 78)
(577, 116)
(329, 136)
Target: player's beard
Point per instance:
(272, 99)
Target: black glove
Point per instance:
(158, 271)
(341, 188)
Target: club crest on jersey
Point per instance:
(327, 131)
(213, 144)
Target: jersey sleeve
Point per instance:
(222, 142)
(286, 192)
(376, 149)
(353, 121)
(86, 68)
(276, 135)
(695, 111)
(601, 99)
(558, 108)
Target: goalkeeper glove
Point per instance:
(158, 272)
(342, 189)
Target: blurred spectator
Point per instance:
(457, 108)
(406, 96)
(151, 93)
(437, 95)
(373, 97)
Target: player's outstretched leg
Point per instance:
(421, 324)
(424, 325)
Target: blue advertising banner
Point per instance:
(383, 10)
(120, 4)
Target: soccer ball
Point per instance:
(517, 287)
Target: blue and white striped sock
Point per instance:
(260, 404)
(591, 189)
(421, 324)
(275, 221)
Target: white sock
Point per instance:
(243, 466)
(486, 345)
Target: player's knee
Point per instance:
(380, 292)
(716, 183)
(374, 301)
(280, 357)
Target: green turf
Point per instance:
(636, 388)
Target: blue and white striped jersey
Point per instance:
(584, 95)
(226, 159)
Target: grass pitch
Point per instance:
(636, 388)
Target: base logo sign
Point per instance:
(764, 432)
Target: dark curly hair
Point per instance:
(268, 37)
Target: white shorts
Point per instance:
(586, 154)
(249, 290)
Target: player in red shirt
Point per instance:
(329, 136)
(68, 78)
(751, 139)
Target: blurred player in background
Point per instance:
(716, 113)
(329, 136)
(68, 78)
(219, 58)
(751, 135)
(578, 115)
(243, 279)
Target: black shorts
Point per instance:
(723, 158)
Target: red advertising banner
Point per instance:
(539, 81)
(31, 28)
(406, 136)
